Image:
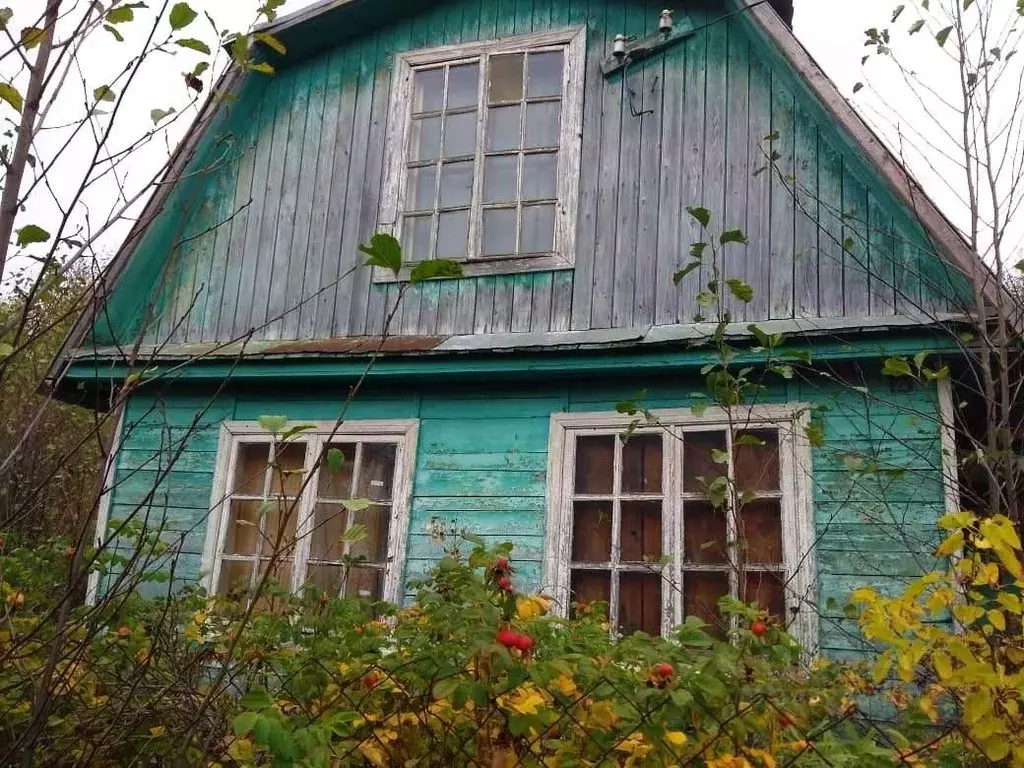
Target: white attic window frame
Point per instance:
(573, 42)
(798, 534)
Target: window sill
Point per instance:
(487, 267)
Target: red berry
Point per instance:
(664, 670)
(508, 638)
(505, 584)
(758, 628)
(524, 643)
(501, 563)
(371, 680)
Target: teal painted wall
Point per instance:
(482, 459)
(288, 181)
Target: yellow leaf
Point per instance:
(675, 738)
(996, 748)
(158, 730)
(943, 664)
(951, 545)
(977, 705)
(882, 666)
(957, 520)
(997, 620)
(864, 595)
(1010, 602)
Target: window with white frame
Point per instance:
(290, 506)
(663, 521)
(488, 144)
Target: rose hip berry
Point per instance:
(524, 643)
(505, 584)
(758, 628)
(508, 638)
(371, 680)
(664, 670)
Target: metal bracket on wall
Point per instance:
(644, 48)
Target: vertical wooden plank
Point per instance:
(907, 278)
(737, 159)
(716, 117)
(805, 253)
(562, 286)
(758, 191)
(883, 273)
(501, 312)
(692, 186)
(782, 200)
(830, 230)
(522, 302)
(540, 314)
(856, 264)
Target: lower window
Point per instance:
(662, 523)
(320, 509)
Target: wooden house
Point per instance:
(507, 135)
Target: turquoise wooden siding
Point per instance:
(287, 182)
(482, 459)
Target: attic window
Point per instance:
(486, 165)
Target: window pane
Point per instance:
(243, 528)
(364, 583)
(640, 603)
(250, 469)
(234, 576)
(540, 175)
(641, 464)
(501, 179)
(421, 188)
(506, 78)
(463, 85)
(377, 475)
(538, 229)
(279, 527)
(756, 460)
(641, 532)
(704, 534)
(456, 184)
(460, 134)
(425, 143)
(766, 589)
(326, 578)
(542, 124)
(595, 461)
(328, 528)
(338, 485)
(416, 237)
(761, 531)
(701, 593)
(374, 546)
(545, 74)
(453, 235)
(428, 90)
(592, 532)
(280, 569)
(590, 587)
(503, 129)
(287, 474)
(499, 232)
(698, 462)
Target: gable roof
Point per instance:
(763, 18)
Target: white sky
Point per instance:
(833, 31)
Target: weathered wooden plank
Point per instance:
(501, 312)
(759, 190)
(562, 287)
(883, 272)
(522, 302)
(477, 483)
(692, 168)
(716, 109)
(511, 434)
(543, 289)
(830, 230)
(425, 506)
(511, 461)
(737, 161)
(781, 228)
(907, 279)
(805, 248)
(856, 264)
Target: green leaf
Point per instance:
(719, 457)
(117, 35)
(942, 36)
(12, 96)
(733, 236)
(433, 269)
(273, 424)
(32, 234)
(706, 299)
(356, 532)
(31, 37)
(697, 250)
(896, 366)
(858, 87)
(156, 115)
(200, 68)
(271, 42)
(335, 460)
(6, 350)
(120, 14)
(740, 289)
(384, 252)
(702, 215)
(193, 44)
(917, 26)
(104, 93)
(244, 723)
(263, 68)
(256, 700)
(5, 16)
(181, 16)
(355, 505)
(898, 12)
(679, 274)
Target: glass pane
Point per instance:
(374, 546)
(456, 184)
(287, 474)
(279, 527)
(704, 534)
(338, 485)
(416, 237)
(641, 532)
(243, 528)
(499, 232)
(698, 461)
(503, 129)
(364, 583)
(595, 462)
(326, 578)
(766, 589)
(701, 593)
(761, 531)
(756, 460)
(428, 90)
(540, 174)
(542, 124)
(592, 532)
(463, 85)
(640, 603)
(460, 134)
(280, 570)
(641, 464)
(538, 229)
(377, 474)
(425, 143)
(544, 76)
(421, 185)
(250, 469)
(453, 235)
(328, 528)
(506, 79)
(589, 587)
(501, 179)
(234, 576)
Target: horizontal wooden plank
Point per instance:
(511, 460)
(462, 482)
